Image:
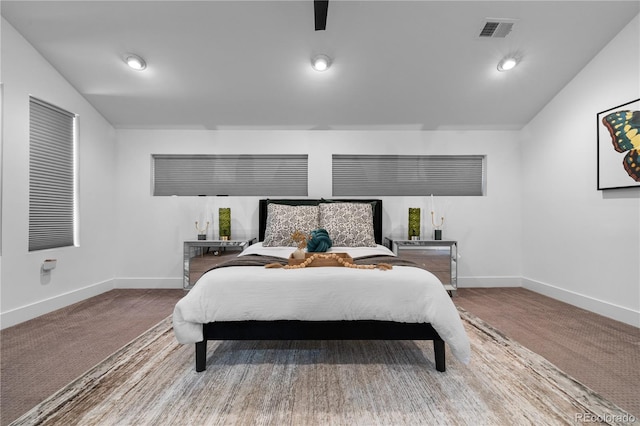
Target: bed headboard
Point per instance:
(377, 212)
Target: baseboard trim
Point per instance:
(607, 309)
(487, 282)
(164, 283)
(36, 309)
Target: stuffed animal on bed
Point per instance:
(319, 241)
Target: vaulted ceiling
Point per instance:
(246, 64)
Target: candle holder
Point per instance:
(202, 232)
(437, 232)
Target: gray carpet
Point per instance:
(602, 353)
(40, 356)
(152, 381)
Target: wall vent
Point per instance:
(496, 28)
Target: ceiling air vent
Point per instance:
(496, 28)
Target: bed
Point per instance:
(247, 298)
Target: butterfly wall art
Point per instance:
(619, 146)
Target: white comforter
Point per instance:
(403, 294)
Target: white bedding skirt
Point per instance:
(239, 293)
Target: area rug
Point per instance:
(152, 381)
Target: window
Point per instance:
(408, 175)
(52, 178)
(240, 175)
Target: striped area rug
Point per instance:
(152, 381)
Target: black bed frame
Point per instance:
(319, 330)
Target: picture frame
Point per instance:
(618, 148)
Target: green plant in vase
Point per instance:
(414, 223)
(224, 223)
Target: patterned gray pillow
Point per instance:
(284, 220)
(348, 224)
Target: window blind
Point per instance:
(408, 175)
(236, 175)
(51, 176)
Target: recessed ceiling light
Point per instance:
(508, 63)
(321, 62)
(135, 62)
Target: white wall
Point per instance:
(81, 271)
(151, 229)
(582, 245)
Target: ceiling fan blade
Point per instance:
(320, 8)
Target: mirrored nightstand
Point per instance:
(440, 257)
(201, 255)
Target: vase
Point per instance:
(224, 223)
(414, 223)
(437, 234)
